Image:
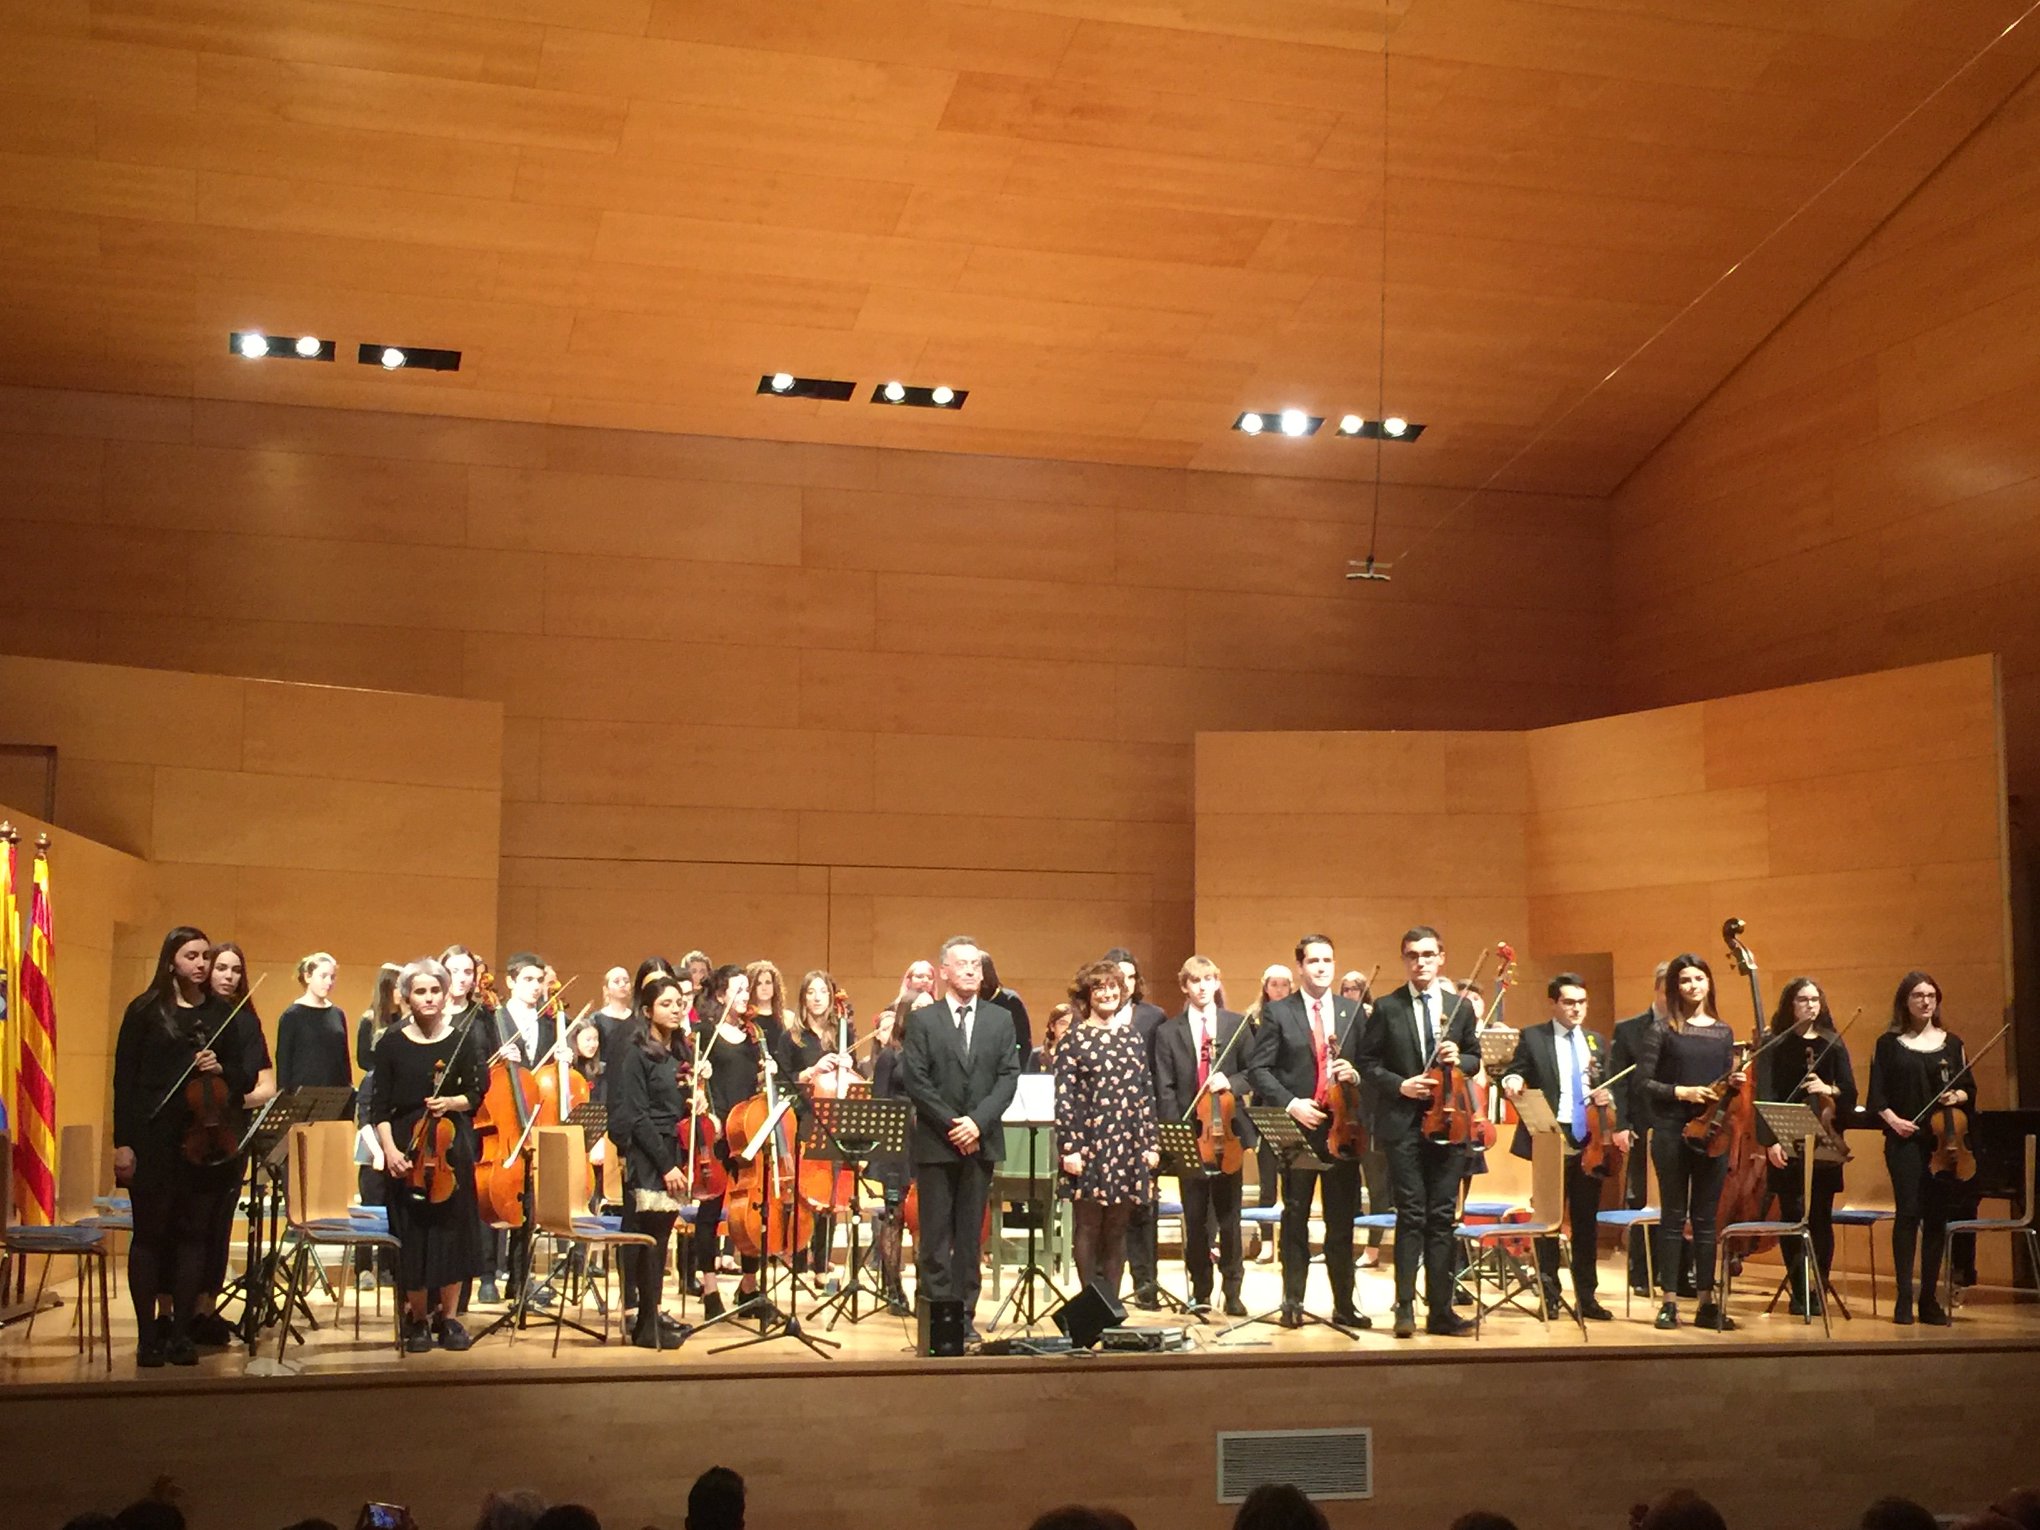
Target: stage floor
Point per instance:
(1992, 1319)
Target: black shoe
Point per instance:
(712, 1304)
(1933, 1312)
(1450, 1326)
(1668, 1316)
(1292, 1315)
(1554, 1298)
(1594, 1311)
(417, 1338)
(1711, 1316)
(1902, 1311)
(1461, 1297)
(1405, 1323)
(1234, 1307)
(674, 1329)
(896, 1303)
(1641, 1288)
(180, 1350)
(211, 1331)
(1965, 1278)
(1346, 1317)
(1796, 1306)
(1149, 1300)
(541, 1297)
(149, 1350)
(486, 1293)
(449, 1334)
(645, 1338)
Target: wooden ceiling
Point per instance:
(1117, 222)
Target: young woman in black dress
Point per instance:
(243, 1038)
(1810, 1067)
(1104, 1124)
(646, 1108)
(808, 1055)
(311, 1035)
(1918, 1062)
(734, 1057)
(163, 1034)
(439, 1243)
(1684, 1058)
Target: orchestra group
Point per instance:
(708, 1073)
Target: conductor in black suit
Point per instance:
(1304, 1044)
(1197, 1050)
(1562, 1060)
(1146, 1020)
(1416, 1027)
(960, 1067)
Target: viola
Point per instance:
(431, 1177)
(1346, 1131)
(1448, 1118)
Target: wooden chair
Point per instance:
(318, 1186)
(559, 1210)
(76, 1235)
(2019, 1228)
(1547, 1220)
(1802, 1230)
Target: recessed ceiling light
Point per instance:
(392, 358)
(1295, 422)
(782, 382)
(254, 346)
(1351, 425)
(943, 394)
(894, 392)
(1394, 425)
(307, 346)
(1249, 422)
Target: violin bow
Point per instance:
(1981, 1053)
(1204, 1088)
(185, 1077)
(1833, 1041)
(1458, 1004)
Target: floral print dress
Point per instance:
(1105, 1110)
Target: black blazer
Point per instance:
(1146, 1021)
(646, 1106)
(1631, 1046)
(1390, 1053)
(1285, 1057)
(944, 1084)
(1176, 1066)
(1536, 1064)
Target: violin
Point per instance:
(1448, 1118)
(699, 1130)
(1828, 1142)
(431, 1177)
(213, 1122)
(1599, 1156)
(1346, 1133)
(1217, 1112)
(1951, 1156)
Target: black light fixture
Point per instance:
(1281, 422)
(1394, 428)
(786, 385)
(255, 345)
(941, 396)
(408, 358)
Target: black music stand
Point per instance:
(1180, 1160)
(1284, 1138)
(1797, 1128)
(852, 1132)
(1033, 1109)
(772, 1322)
(259, 1287)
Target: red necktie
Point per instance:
(1317, 1033)
(1203, 1059)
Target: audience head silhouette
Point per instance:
(1279, 1506)
(716, 1501)
(1078, 1516)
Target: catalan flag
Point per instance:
(10, 982)
(35, 1113)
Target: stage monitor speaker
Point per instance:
(938, 1326)
(1085, 1316)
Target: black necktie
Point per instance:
(963, 1025)
(1430, 1036)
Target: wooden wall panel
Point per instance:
(289, 817)
(715, 656)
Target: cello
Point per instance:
(503, 1121)
(1729, 1125)
(768, 1216)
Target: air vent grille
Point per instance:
(1325, 1463)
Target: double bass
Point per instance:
(1729, 1125)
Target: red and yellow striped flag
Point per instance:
(35, 1115)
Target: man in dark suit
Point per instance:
(1141, 1256)
(1194, 1053)
(1304, 1044)
(1414, 1028)
(1631, 1039)
(960, 1068)
(1560, 1059)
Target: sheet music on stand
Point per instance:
(592, 1116)
(1179, 1151)
(1284, 1138)
(851, 1129)
(268, 1132)
(1497, 1049)
(1791, 1123)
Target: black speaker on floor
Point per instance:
(938, 1326)
(1088, 1314)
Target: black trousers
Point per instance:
(1426, 1176)
(646, 1267)
(1380, 1189)
(1141, 1248)
(176, 1210)
(1582, 1225)
(1209, 1198)
(953, 1200)
(1690, 1182)
(1924, 1207)
(1269, 1180)
(1636, 1196)
(1789, 1185)
(1341, 1185)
